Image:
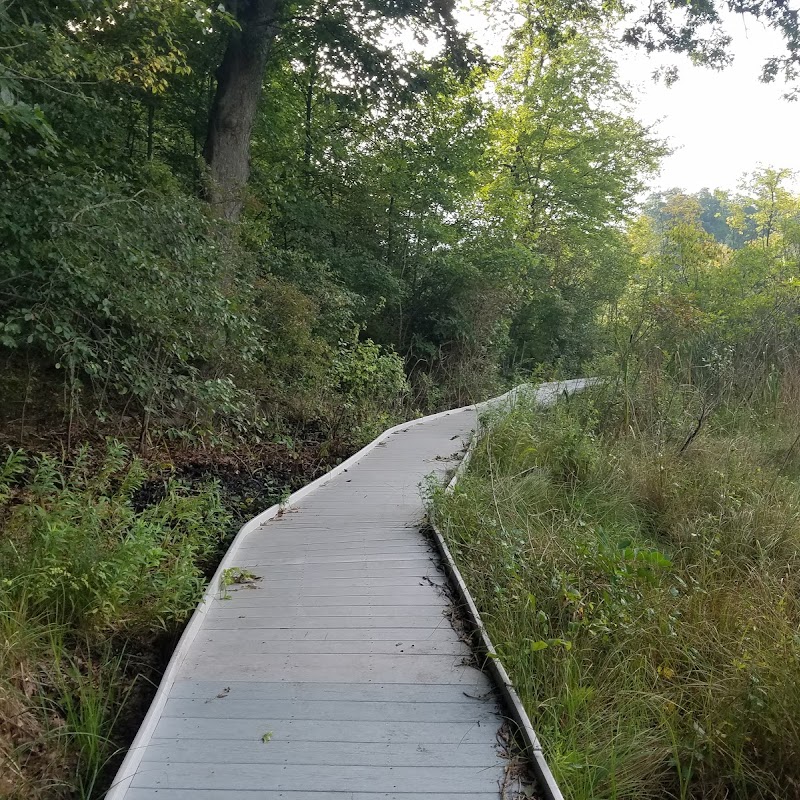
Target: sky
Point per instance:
(720, 124)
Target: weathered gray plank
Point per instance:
(371, 516)
(323, 647)
(346, 596)
(261, 794)
(402, 545)
(420, 733)
(229, 638)
(414, 588)
(320, 530)
(349, 571)
(355, 692)
(335, 668)
(303, 777)
(337, 582)
(362, 754)
(268, 559)
(331, 710)
(249, 618)
(388, 563)
(234, 610)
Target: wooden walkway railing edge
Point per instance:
(545, 394)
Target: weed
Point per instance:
(643, 594)
(236, 575)
(83, 574)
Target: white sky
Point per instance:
(720, 124)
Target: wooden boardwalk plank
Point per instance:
(344, 653)
(329, 710)
(355, 692)
(305, 777)
(420, 647)
(360, 754)
(235, 610)
(346, 596)
(334, 668)
(233, 731)
(260, 794)
(233, 638)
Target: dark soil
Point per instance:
(249, 482)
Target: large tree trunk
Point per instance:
(239, 81)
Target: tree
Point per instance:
(766, 203)
(695, 28)
(233, 112)
(568, 161)
(717, 311)
(355, 26)
(667, 25)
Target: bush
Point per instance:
(124, 290)
(644, 596)
(88, 583)
(76, 553)
(368, 387)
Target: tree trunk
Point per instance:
(239, 82)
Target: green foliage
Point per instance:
(24, 122)
(88, 577)
(368, 386)
(716, 210)
(90, 707)
(569, 159)
(381, 201)
(410, 241)
(235, 575)
(718, 317)
(122, 291)
(76, 553)
(642, 595)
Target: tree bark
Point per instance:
(233, 112)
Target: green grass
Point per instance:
(88, 582)
(645, 601)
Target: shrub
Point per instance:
(87, 578)
(644, 596)
(124, 290)
(368, 387)
(76, 553)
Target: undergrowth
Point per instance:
(88, 582)
(643, 592)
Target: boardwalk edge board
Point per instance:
(492, 663)
(133, 757)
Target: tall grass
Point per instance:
(644, 592)
(87, 578)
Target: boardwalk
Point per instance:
(338, 673)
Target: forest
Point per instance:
(239, 240)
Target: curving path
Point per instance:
(338, 673)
